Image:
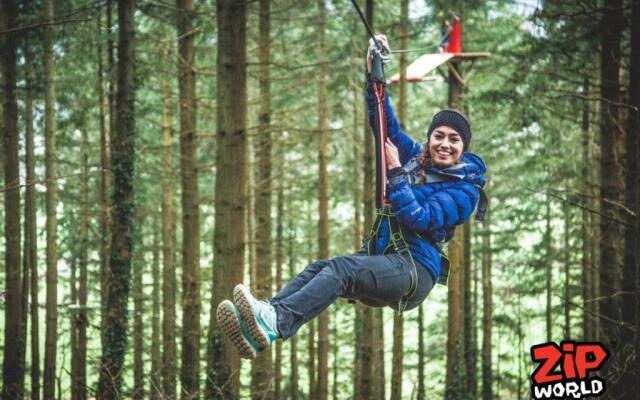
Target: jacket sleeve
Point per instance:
(407, 147)
(448, 207)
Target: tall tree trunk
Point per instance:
(632, 375)
(397, 357)
(487, 310)
(249, 216)
(421, 372)
(168, 237)
(455, 344)
(294, 340)
(311, 337)
(323, 199)
(611, 191)
(356, 91)
(104, 163)
(51, 201)
(587, 266)
(80, 320)
(473, 367)
(365, 342)
(190, 213)
(223, 360)
(155, 382)
(398, 320)
(567, 271)
(13, 360)
(379, 350)
(548, 261)
(30, 215)
(631, 250)
(262, 370)
(277, 373)
(468, 321)
(73, 336)
(138, 307)
(122, 165)
(311, 361)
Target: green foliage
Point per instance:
(525, 104)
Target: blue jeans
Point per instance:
(376, 281)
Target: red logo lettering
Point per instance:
(576, 360)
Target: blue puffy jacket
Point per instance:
(428, 212)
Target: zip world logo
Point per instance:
(563, 371)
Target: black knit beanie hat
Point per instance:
(454, 119)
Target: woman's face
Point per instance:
(445, 146)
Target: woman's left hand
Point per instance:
(391, 152)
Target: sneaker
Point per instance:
(231, 324)
(260, 317)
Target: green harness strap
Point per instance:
(399, 245)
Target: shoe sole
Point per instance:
(230, 325)
(241, 300)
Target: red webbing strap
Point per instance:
(381, 138)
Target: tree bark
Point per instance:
(223, 361)
(277, 373)
(611, 189)
(73, 336)
(30, 215)
(455, 344)
(138, 307)
(122, 165)
(632, 377)
(168, 237)
(487, 310)
(155, 381)
(13, 359)
(587, 265)
(51, 334)
(323, 200)
(79, 356)
(190, 214)
(378, 361)
(397, 357)
(104, 162)
(262, 383)
(365, 343)
(469, 317)
(294, 339)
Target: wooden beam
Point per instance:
(456, 73)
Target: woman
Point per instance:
(426, 212)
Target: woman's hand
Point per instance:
(392, 157)
(384, 50)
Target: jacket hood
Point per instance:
(470, 169)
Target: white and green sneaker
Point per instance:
(236, 329)
(260, 317)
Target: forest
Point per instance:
(155, 154)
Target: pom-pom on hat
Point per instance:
(454, 119)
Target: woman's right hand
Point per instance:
(384, 51)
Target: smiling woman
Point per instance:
(431, 188)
